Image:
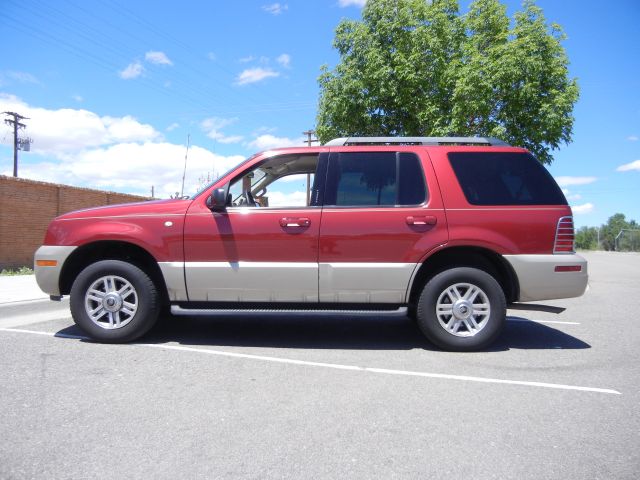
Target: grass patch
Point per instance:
(18, 271)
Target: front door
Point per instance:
(264, 247)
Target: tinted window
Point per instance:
(505, 178)
(376, 178)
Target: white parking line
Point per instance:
(336, 366)
(31, 318)
(512, 319)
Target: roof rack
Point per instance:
(345, 141)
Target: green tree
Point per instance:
(610, 230)
(413, 67)
(587, 238)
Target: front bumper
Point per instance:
(539, 279)
(48, 277)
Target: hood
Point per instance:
(151, 207)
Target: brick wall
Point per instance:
(27, 207)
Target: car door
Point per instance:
(382, 212)
(264, 246)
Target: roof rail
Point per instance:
(345, 141)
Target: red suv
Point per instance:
(450, 230)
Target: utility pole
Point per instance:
(310, 134)
(309, 140)
(15, 123)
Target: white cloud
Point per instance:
(133, 70)
(128, 129)
(632, 138)
(582, 209)
(355, 3)
(79, 147)
(157, 58)
(213, 126)
(282, 199)
(275, 8)
(253, 75)
(571, 196)
(247, 59)
(134, 168)
(635, 165)
(284, 60)
(302, 178)
(64, 131)
(212, 56)
(78, 98)
(569, 181)
(268, 141)
(172, 127)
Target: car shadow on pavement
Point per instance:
(324, 331)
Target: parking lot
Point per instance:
(328, 396)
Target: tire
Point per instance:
(114, 301)
(462, 309)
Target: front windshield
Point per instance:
(209, 184)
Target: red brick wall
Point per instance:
(27, 207)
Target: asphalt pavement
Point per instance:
(325, 396)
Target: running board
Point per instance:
(177, 310)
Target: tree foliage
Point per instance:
(587, 237)
(420, 68)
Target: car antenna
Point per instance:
(184, 172)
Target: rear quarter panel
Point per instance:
(503, 229)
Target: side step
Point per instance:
(178, 310)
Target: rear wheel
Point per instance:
(462, 309)
(114, 301)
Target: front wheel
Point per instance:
(114, 301)
(462, 309)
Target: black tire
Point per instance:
(143, 295)
(473, 331)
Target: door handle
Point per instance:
(294, 222)
(422, 220)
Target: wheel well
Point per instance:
(492, 263)
(109, 250)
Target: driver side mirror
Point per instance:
(217, 201)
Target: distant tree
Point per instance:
(587, 238)
(418, 67)
(610, 230)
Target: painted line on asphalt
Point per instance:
(31, 318)
(558, 322)
(17, 303)
(336, 366)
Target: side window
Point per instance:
(505, 178)
(375, 179)
(284, 181)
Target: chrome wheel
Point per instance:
(111, 302)
(463, 309)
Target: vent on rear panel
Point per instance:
(565, 236)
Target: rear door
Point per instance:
(382, 213)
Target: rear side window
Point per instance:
(375, 179)
(505, 178)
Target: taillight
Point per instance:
(565, 236)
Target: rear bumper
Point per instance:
(539, 279)
(48, 277)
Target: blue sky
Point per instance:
(113, 88)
